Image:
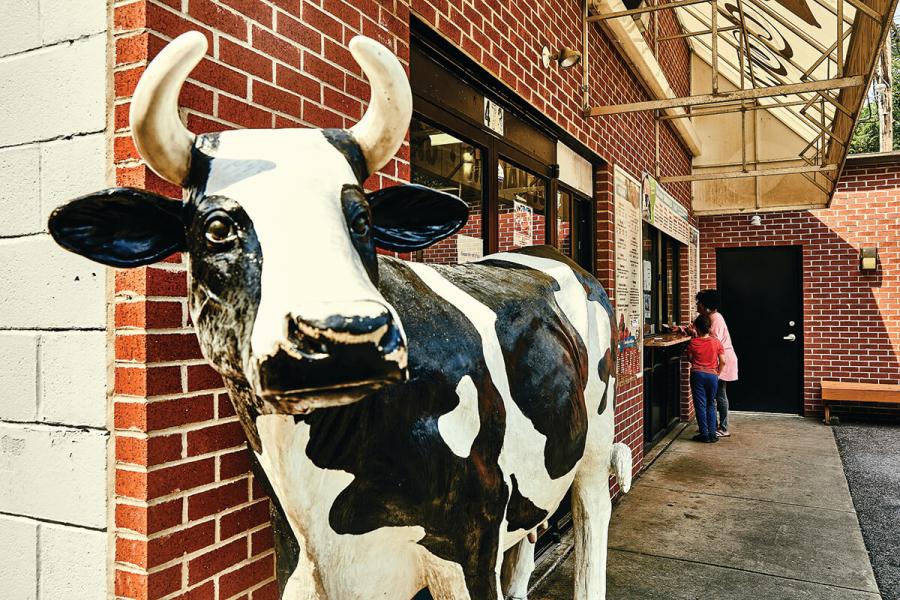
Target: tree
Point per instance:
(865, 135)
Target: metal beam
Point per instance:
(714, 29)
(823, 56)
(740, 174)
(642, 10)
(768, 44)
(792, 27)
(762, 161)
(736, 95)
(731, 108)
(822, 188)
(862, 6)
(736, 48)
(826, 6)
(666, 38)
(840, 38)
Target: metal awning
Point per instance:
(774, 94)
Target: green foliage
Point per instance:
(865, 136)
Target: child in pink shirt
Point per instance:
(708, 303)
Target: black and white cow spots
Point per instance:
(487, 432)
(412, 422)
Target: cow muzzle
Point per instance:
(333, 360)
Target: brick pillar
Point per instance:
(190, 520)
(629, 405)
(188, 514)
(605, 229)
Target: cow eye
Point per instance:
(360, 224)
(220, 229)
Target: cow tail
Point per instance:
(620, 465)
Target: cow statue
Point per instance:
(413, 424)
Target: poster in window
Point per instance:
(468, 248)
(493, 116)
(523, 224)
(628, 288)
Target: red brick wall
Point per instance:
(851, 319)
(190, 521)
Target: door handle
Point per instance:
(790, 337)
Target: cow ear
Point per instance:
(120, 227)
(412, 217)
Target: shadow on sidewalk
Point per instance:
(765, 513)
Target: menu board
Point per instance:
(694, 265)
(663, 211)
(629, 288)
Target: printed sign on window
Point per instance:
(468, 248)
(523, 224)
(493, 116)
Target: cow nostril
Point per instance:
(391, 340)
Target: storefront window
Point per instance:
(444, 162)
(521, 207)
(564, 232)
(662, 292)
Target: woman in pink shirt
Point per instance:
(708, 302)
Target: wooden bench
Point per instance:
(847, 392)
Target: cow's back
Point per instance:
(491, 427)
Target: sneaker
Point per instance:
(699, 438)
(712, 440)
(723, 433)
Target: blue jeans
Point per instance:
(704, 386)
(722, 403)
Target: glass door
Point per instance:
(574, 220)
(449, 163)
(521, 207)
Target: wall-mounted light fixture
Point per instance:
(756, 221)
(566, 57)
(868, 259)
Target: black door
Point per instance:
(762, 302)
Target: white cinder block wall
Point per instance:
(53, 407)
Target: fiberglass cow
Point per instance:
(411, 422)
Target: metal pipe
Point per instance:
(840, 38)
(666, 38)
(585, 70)
(638, 11)
(732, 108)
(714, 28)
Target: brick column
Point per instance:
(188, 514)
(190, 520)
(629, 405)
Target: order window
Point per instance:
(662, 295)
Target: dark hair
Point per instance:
(711, 299)
(702, 324)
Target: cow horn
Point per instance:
(382, 129)
(161, 138)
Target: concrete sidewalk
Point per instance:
(764, 514)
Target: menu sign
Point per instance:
(629, 267)
(694, 264)
(663, 211)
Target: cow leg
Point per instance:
(445, 579)
(591, 509)
(518, 565)
(448, 580)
